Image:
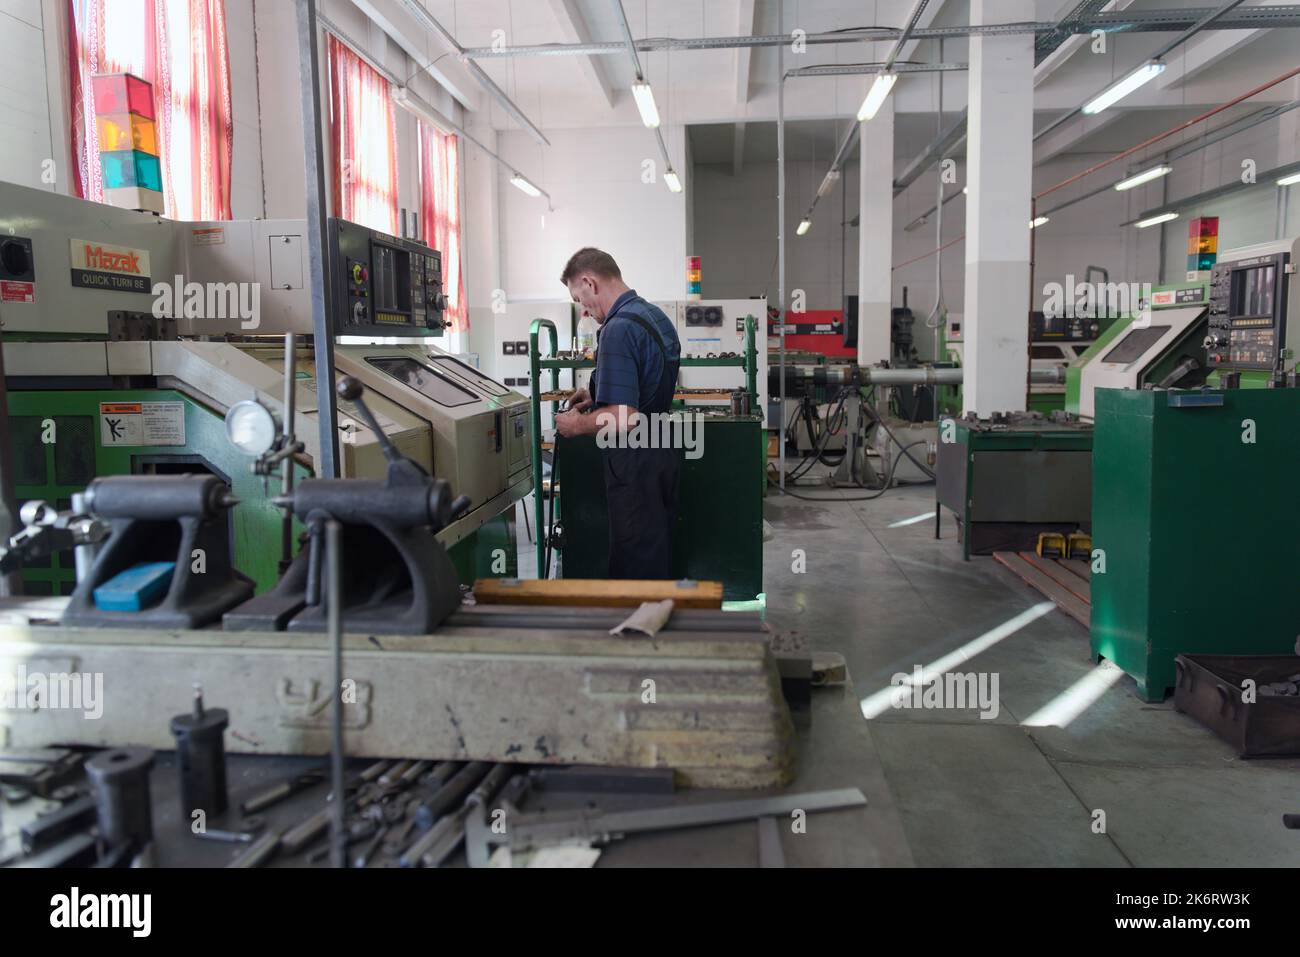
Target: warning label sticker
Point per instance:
(209, 236)
(17, 291)
(142, 423)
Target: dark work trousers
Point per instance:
(641, 487)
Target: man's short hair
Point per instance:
(592, 260)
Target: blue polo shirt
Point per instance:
(630, 362)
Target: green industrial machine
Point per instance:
(1010, 478)
(719, 531)
(1195, 527)
(127, 337)
(1166, 340)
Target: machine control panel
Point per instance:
(1248, 306)
(387, 286)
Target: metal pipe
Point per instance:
(327, 464)
(485, 81)
(1153, 21)
(780, 237)
(334, 624)
(290, 440)
(917, 10)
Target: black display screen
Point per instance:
(428, 382)
(1133, 345)
(1252, 292)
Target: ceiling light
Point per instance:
(673, 180)
(803, 227)
(880, 88)
(1040, 221)
(645, 102)
(1117, 91)
(1155, 220)
(523, 184)
(1146, 176)
(1289, 180)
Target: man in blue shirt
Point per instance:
(637, 357)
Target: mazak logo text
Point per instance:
(100, 258)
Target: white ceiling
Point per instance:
(711, 89)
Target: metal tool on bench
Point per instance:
(47, 531)
(166, 563)
(119, 779)
(398, 579)
(201, 757)
(585, 827)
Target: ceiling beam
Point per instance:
(1204, 52)
(575, 30)
(746, 25)
(1071, 45)
(439, 62)
(1070, 135)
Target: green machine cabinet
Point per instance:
(1195, 518)
(718, 535)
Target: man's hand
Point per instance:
(580, 401)
(569, 424)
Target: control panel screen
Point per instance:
(1132, 346)
(428, 382)
(1252, 292)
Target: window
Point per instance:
(440, 213)
(363, 131)
(178, 46)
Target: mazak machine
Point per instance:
(1253, 292)
(1163, 346)
(127, 337)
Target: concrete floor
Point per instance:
(974, 791)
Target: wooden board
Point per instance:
(1066, 578)
(1066, 600)
(595, 591)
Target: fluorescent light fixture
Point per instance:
(880, 88)
(1040, 221)
(523, 184)
(1289, 180)
(1121, 88)
(803, 227)
(965, 190)
(645, 102)
(673, 180)
(828, 183)
(1155, 220)
(1146, 176)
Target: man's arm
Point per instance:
(617, 417)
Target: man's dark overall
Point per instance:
(641, 484)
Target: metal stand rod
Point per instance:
(327, 464)
(290, 439)
(334, 563)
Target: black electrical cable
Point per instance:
(889, 483)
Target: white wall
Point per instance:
(595, 181)
(735, 232)
(25, 109)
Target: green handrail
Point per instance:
(534, 376)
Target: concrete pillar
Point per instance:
(999, 156)
(876, 233)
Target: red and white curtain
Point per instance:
(440, 214)
(364, 137)
(179, 46)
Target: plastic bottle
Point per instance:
(587, 336)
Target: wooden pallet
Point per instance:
(1064, 581)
